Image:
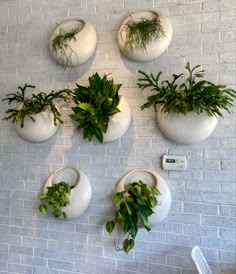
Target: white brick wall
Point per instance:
(203, 211)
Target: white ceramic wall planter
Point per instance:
(80, 49)
(154, 180)
(81, 193)
(39, 130)
(154, 49)
(186, 129)
(119, 122)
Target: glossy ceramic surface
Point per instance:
(119, 122)
(154, 180)
(80, 49)
(81, 193)
(154, 49)
(186, 129)
(39, 131)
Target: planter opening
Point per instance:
(69, 175)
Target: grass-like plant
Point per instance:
(61, 43)
(94, 105)
(135, 206)
(56, 198)
(191, 95)
(142, 32)
(36, 103)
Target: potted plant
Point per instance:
(56, 198)
(187, 112)
(144, 35)
(73, 42)
(99, 110)
(67, 193)
(36, 117)
(137, 204)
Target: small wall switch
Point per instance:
(173, 162)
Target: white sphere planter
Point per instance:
(81, 192)
(80, 48)
(153, 180)
(154, 49)
(39, 130)
(119, 122)
(186, 129)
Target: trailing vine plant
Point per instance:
(191, 95)
(56, 198)
(135, 205)
(36, 103)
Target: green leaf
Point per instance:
(129, 208)
(190, 95)
(56, 198)
(128, 244)
(43, 209)
(94, 106)
(135, 204)
(110, 226)
(126, 227)
(114, 111)
(57, 212)
(87, 107)
(36, 103)
(153, 201)
(144, 220)
(98, 133)
(117, 197)
(43, 197)
(156, 191)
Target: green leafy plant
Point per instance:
(135, 206)
(191, 95)
(94, 105)
(33, 104)
(142, 32)
(56, 198)
(61, 42)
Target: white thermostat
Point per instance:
(173, 162)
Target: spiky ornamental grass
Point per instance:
(142, 32)
(191, 95)
(61, 42)
(34, 104)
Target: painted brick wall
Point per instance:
(204, 203)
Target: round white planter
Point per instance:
(80, 49)
(81, 193)
(154, 49)
(186, 129)
(39, 131)
(154, 180)
(119, 122)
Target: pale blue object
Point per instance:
(200, 261)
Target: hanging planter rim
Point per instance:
(61, 169)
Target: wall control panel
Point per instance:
(173, 162)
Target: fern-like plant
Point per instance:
(56, 198)
(191, 95)
(142, 32)
(135, 206)
(36, 103)
(94, 105)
